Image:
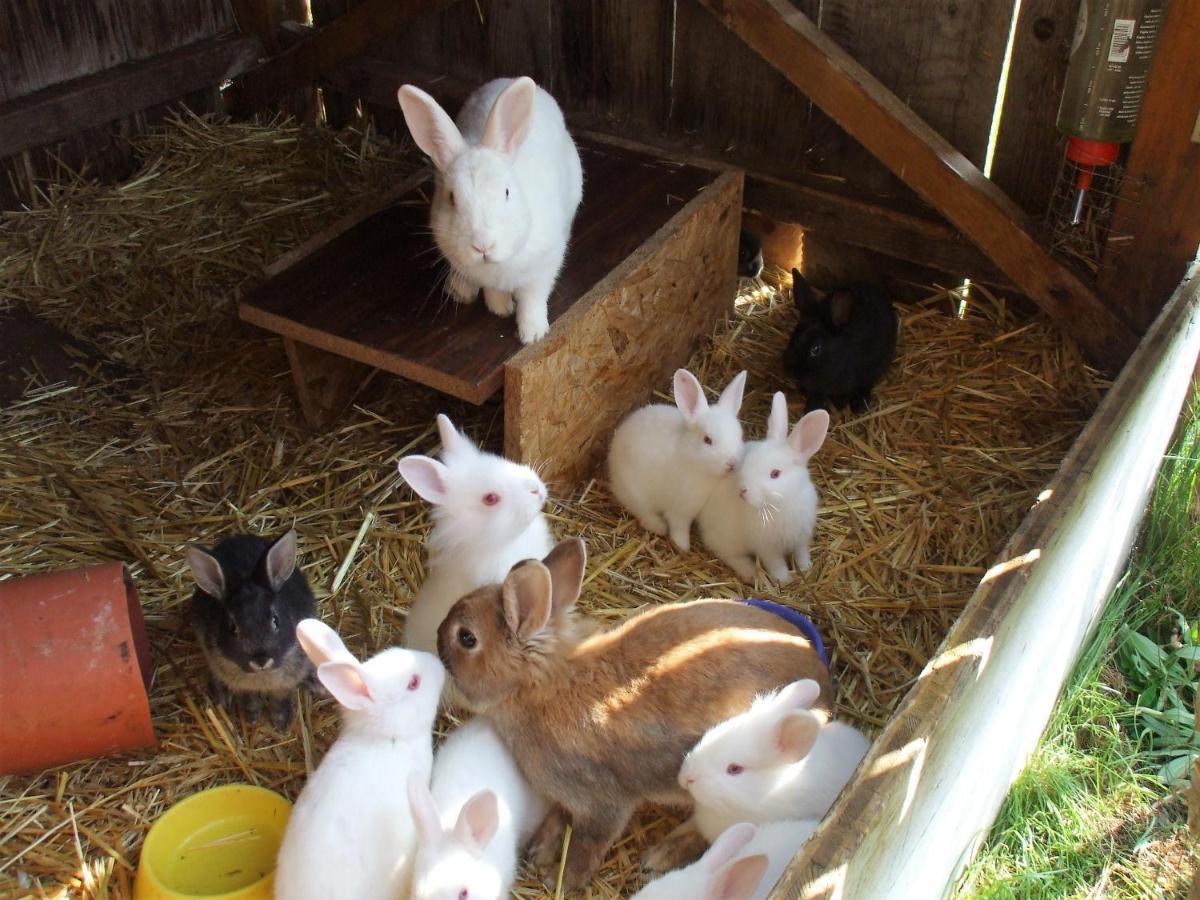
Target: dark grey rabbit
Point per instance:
(750, 257)
(249, 598)
(842, 344)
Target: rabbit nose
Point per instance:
(483, 248)
(260, 661)
(730, 465)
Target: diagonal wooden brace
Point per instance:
(875, 117)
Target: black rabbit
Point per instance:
(249, 598)
(750, 257)
(842, 344)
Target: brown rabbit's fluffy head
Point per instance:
(498, 639)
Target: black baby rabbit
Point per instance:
(842, 344)
(750, 255)
(249, 597)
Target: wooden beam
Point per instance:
(901, 235)
(346, 36)
(929, 788)
(50, 115)
(925, 161)
(1159, 204)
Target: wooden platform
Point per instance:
(369, 290)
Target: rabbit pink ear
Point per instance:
(424, 810)
(795, 735)
(566, 564)
(207, 572)
(433, 130)
(347, 682)
(511, 117)
(320, 643)
(527, 594)
(777, 421)
(731, 397)
(689, 395)
(478, 821)
(425, 476)
(738, 880)
(453, 441)
(728, 845)
(800, 694)
(281, 560)
(809, 434)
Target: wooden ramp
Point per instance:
(650, 268)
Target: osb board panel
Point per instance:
(565, 395)
(44, 43)
(942, 59)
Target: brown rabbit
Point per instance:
(602, 724)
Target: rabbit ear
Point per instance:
(777, 421)
(841, 304)
(433, 130)
(453, 440)
(731, 397)
(728, 845)
(347, 682)
(424, 810)
(478, 821)
(809, 434)
(738, 880)
(800, 694)
(206, 570)
(802, 293)
(795, 735)
(566, 564)
(527, 599)
(689, 395)
(321, 643)
(280, 560)
(425, 476)
(511, 117)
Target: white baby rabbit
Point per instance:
(665, 461)
(769, 508)
(775, 761)
(471, 824)
(509, 182)
(727, 871)
(777, 843)
(487, 516)
(351, 833)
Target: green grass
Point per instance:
(1096, 812)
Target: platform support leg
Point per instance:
(325, 383)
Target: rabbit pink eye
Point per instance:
(414, 682)
(464, 894)
(708, 440)
(733, 769)
(491, 499)
(774, 473)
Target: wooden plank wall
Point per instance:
(46, 42)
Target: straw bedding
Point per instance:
(186, 429)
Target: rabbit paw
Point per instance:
(221, 694)
(499, 302)
(282, 710)
(803, 559)
(532, 327)
(684, 845)
(744, 568)
(546, 843)
(460, 288)
(654, 524)
(251, 706)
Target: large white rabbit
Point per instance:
(351, 834)
(775, 761)
(665, 461)
(475, 818)
(769, 509)
(487, 516)
(509, 183)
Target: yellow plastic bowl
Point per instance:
(220, 842)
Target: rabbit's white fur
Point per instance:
(769, 508)
(665, 461)
(508, 185)
(479, 814)
(351, 834)
(487, 516)
(790, 765)
(729, 870)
